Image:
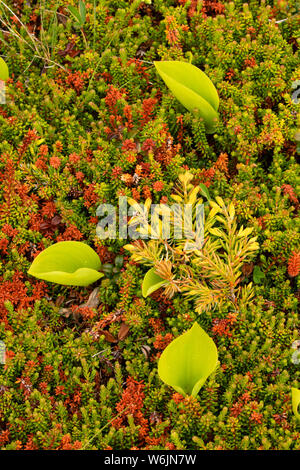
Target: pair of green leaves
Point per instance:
(188, 360)
(79, 15)
(69, 263)
(3, 70)
(192, 88)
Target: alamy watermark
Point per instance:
(2, 92)
(2, 352)
(296, 92)
(152, 221)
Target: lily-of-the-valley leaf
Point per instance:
(152, 282)
(69, 263)
(4, 74)
(296, 401)
(192, 88)
(188, 360)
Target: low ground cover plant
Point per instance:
(101, 103)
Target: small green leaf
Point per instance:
(192, 88)
(258, 275)
(69, 263)
(4, 74)
(296, 401)
(152, 282)
(188, 360)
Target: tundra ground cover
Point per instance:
(87, 119)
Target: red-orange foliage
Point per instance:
(294, 264)
(131, 403)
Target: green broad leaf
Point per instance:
(204, 191)
(4, 74)
(69, 263)
(296, 401)
(188, 360)
(82, 11)
(152, 282)
(75, 13)
(192, 88)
